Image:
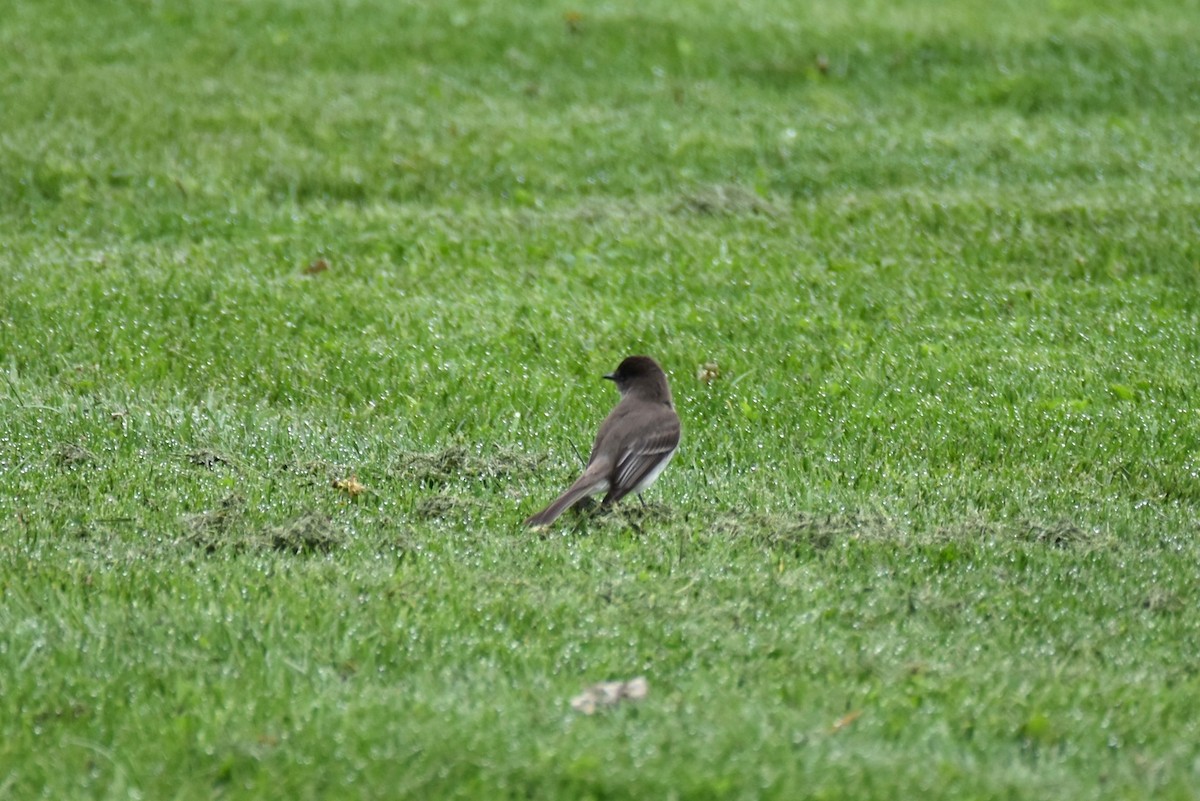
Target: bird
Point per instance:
(634, 444)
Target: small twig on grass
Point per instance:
(16, 393)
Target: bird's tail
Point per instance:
(585, 486)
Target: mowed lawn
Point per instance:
(304, 307)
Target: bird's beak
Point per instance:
(610, 377)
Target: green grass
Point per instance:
(933, 530)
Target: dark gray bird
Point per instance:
(634, 444)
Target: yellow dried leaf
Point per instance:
(845, 720)
(708, 372)
(350, 486)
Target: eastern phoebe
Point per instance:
(634, 443)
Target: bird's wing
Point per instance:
(641, 458)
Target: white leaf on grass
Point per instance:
(610, 693)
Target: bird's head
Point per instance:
(642, 376)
